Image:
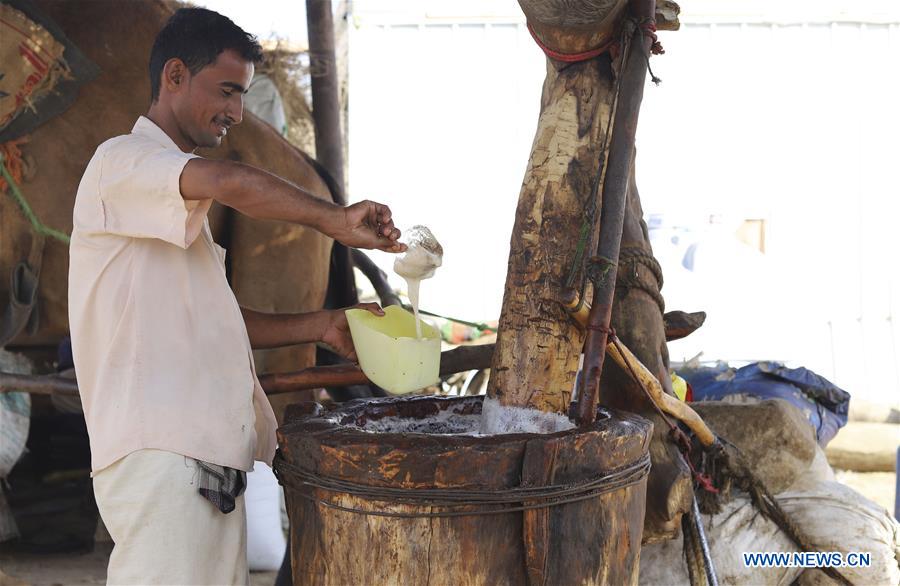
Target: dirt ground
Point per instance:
(73, 570)
(875, 486)
(863, 453)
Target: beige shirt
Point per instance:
(161, 350)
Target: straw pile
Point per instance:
(288, 68)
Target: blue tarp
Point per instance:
(824, 403)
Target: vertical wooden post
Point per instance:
(325, 92)
(538, 346)
(329, 149)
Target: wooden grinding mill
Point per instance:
(435, 506)
(406, 490)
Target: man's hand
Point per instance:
(368, 224)
(336, 330)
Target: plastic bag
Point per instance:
(265, 537)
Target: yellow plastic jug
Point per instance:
(389, 353)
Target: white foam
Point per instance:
(446, 422)
(497, 419)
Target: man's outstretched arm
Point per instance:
(264, 196)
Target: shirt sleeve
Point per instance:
(140, 194)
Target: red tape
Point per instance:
(570, 57)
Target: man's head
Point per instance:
(201, 64)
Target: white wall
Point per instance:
(794, 123)
(441, 123)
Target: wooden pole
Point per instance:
(329, 148)
(325, 92)
(615, 186)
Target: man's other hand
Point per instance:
(368, 224)
(336, 331)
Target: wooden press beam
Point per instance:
(457, 360)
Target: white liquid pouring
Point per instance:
(412, 289)
(423, 255)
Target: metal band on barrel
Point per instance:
(476, 502)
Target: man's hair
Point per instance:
(197, 36)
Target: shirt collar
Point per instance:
(146, 127)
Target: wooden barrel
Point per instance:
(405, 491)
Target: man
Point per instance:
(174, 410)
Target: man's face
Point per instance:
(214, 99)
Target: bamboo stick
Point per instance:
(669, 404)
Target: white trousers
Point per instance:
(165, 532)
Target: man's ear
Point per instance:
(174, 75)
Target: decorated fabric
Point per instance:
(32, 62)
(40, 69)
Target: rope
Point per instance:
(633, 256)
(16, 194)
(681, 440)
(598, 269)
(631, 282)
(571, 57)
(648, 29)
(458, 502)
(637, 255)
